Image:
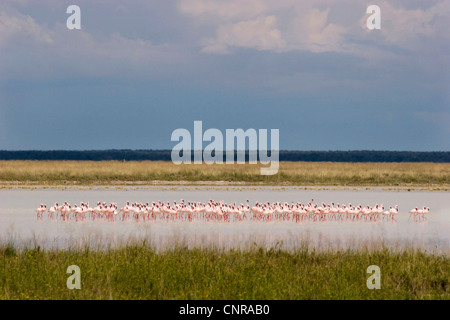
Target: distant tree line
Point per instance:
(165, 155)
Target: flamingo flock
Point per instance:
(419, 214)
(225, 212)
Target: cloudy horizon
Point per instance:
(138, 70)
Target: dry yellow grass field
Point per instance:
(290, 173)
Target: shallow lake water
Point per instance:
(18, 222)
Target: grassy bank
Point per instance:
(290, 173)
(138, 272)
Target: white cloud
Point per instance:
(406, 28)
(260, 34)
(35, 50)
(228, 10)
(316, 33)
(45, 49)
(254, 24)
(308, 25)
(19, 27)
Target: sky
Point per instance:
(138, 70)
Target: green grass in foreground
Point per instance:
(138, 272)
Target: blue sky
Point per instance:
(138, 70)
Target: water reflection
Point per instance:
(18, 221)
